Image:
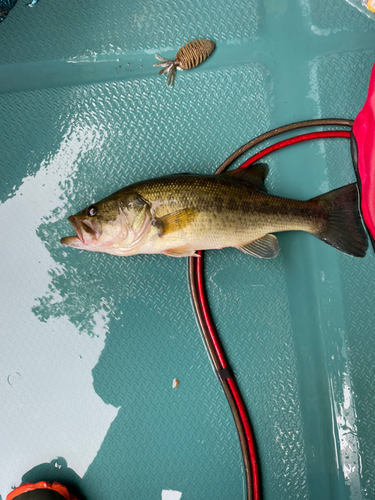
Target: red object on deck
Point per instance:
(295, 140)
(42, 485)
(363, 153)
(231, 381)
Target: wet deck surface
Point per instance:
(91, 343)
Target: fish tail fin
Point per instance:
(342, 225)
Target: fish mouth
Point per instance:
(85, 230)
(91, 229)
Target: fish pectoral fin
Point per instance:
(263, 248)
(175, 221)
(254, 174)
(184, 251)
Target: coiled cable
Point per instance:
(201, 306)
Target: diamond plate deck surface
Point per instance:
(92, 343)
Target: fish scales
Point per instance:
(229, 209)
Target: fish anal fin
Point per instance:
(175, 221)
(254, 174)
(266, 247)
(183, 251)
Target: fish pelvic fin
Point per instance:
(254, 174)
(342, 227)
(263, 248)
(184, 251)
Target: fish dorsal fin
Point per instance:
(263, 248)
(184, 251)
(255, 174)
(176, 220)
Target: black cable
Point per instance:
(216, 363)
(278, 131)
(194, 290)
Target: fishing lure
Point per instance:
(188, 56)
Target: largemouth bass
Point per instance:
(180, 214)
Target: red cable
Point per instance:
(206, 313)
(231, 382)
(295, 140)
(250, 440)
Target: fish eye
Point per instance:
(92, 211)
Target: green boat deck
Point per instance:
(91, 343)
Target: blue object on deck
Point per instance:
(5, 7)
